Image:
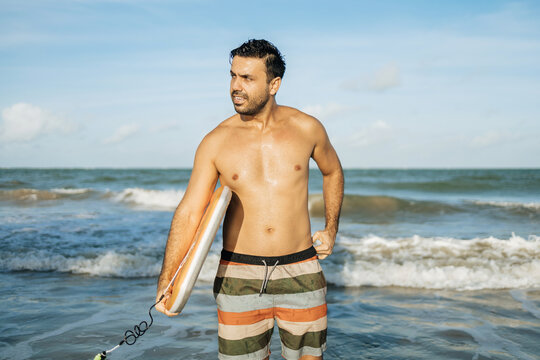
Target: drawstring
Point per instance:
(267, 276)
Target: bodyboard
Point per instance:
(191, 265)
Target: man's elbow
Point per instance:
(187, 214)
(336, 171)
(335, 179)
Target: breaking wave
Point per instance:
(415, 262)
(149, 199)
(385, 208)
(380, 205)
(25, 196)
(436, 263)
(510, 204)
(136, 197)
(108, 264)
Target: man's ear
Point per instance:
(275, 83)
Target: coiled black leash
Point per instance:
(131, 336)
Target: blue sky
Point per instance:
(400, 84)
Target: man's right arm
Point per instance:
(328, 162)
(187, 215)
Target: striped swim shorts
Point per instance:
(252, 291)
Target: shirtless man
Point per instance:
(269, 268)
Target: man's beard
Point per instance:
(252, 107)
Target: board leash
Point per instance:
(131, 336)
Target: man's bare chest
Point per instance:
(276, 159)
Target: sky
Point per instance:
(397, 84)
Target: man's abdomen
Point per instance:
(267, 225)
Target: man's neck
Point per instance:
(263, 118)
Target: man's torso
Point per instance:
(268, 173)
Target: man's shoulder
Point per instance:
(301, 119)
(223, 127)
(219, 133)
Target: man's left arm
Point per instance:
(327, 160)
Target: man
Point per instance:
(269, 268)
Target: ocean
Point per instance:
(428, 264)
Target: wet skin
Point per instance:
(262, 153)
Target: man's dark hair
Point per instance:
(262, 49)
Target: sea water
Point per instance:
(428, 264)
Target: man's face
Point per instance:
(250, 90)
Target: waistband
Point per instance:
(258, 260)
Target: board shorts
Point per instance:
(252, 291)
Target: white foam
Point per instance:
(105, 264)
(109, 264)
(436, 263)
(150, 199)
(71, 191)
(510, 204)
(417, 262)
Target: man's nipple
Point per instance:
(297, 167)
(235, 177)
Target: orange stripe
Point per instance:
(310, 259)
(226, 262)
(253, 316)
(301, 315)
(244, 318)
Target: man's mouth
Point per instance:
(238, 100)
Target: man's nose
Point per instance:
(236, 84)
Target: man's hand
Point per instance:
(161, 305)
(327, 240)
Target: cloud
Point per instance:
(122, 133)
(24, 122)
(383, 79)
(376, 132)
